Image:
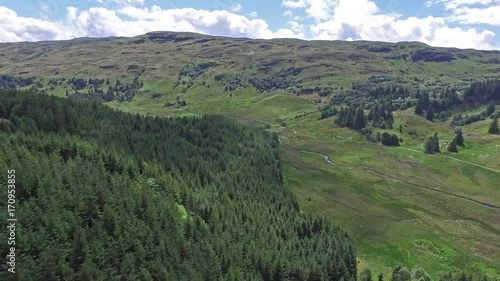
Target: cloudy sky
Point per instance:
(450, 23)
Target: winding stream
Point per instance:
(327, 159)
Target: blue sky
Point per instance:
(448, 23)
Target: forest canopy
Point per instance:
(106, 195)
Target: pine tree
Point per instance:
(459, 138)
(419, 108)
(429, 146)
(425, 100)
(494, 129)
(436, 142)
(366, 275)
(341, 119)
(429, 115)
(359, 120)
(349, 119)
(490, 109)
(452, 147)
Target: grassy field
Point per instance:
(392, 220)
(399, 204)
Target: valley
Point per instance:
(399, 204)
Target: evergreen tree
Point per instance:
(359, 120)
(452, 146)
(432, 144)
(366, 275)
(459, 137)
(425, 100)
(494, 129)
(436, 142)
(429, 115)
(490, 109)
(390, 139)
(349, 119)
(419, 108)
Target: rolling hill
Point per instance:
(399, 204)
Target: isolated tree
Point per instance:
(401, 128)
(390, 140)
(436, 142)
(432, 144)
(429, 146)
(459, 137)
(452, 147)
(366, 275)
(494, 129)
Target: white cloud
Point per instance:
(236, 7)
(317, 9)
(430, 30)
(296, 27)
(131, 21)
(123, 2)
(15, 28)
(471, 11)
(254, 14)
(363, 20)
(453, 4)
(467, 15)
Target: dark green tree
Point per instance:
(419, 108)
(494, 129)
(366, 275)
(452, 146)
(490, 108)
(390, 139)
(459, 137)
(429, 114)
(359, 120)
(435, 138)
(430, 146)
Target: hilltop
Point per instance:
(161, 55)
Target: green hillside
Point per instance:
(400, 205)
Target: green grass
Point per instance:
(392, 221)
(387, 217)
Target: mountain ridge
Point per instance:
(46, 57)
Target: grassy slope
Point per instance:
(391, 221)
